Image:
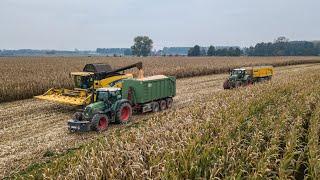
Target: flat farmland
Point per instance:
(24, 77)
(268, 130)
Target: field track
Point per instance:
(30, 128)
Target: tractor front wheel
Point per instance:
(124, 113)
(100, 122)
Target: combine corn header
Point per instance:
(92, 77)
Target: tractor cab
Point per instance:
(237, 74)
(83, 80)
(108, 95)
(106, 98)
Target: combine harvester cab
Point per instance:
(248, 75)
(94, 76)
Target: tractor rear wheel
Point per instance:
(169, 103)
(155, 107)
(249, 83)
(226, 85)
(124, 113)
(237, 84)
(163, 105)
(100, 122)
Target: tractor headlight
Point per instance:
(87, 111)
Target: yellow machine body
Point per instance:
(260, 71)
(81, 96)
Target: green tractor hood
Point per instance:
(233, 77)
(92, 108)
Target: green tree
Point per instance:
(195, 51)
(281, 39)
(211, 51)
(317, 46)
(142, 46)
(203, 52)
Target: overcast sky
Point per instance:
(88, 24)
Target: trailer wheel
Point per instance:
(169, 103)
(163, 105)
(155, 107)
(124, 113)
(100, 122)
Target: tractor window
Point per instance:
(102, 95)
(113, 96)
(236, 72)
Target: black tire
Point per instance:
(169, 103)
(237, 84)
(163, 105)
(269, 78)
(100, 122)
(260, 80)
(77, 116)
(124, 113)
(155, 107)
(249, 83)
(226, 85)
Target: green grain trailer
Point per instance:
(150, 94)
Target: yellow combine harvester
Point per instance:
(94, 76)
(248, 75)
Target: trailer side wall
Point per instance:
(149, 89)
(260, 71)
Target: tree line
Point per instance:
(283, 47)
(212, 51)
(280, 47)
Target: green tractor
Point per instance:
(237, 78)
(108, 107)
(247, 76)
(151, 94)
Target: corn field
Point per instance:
(266, 131)
(24, 77)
